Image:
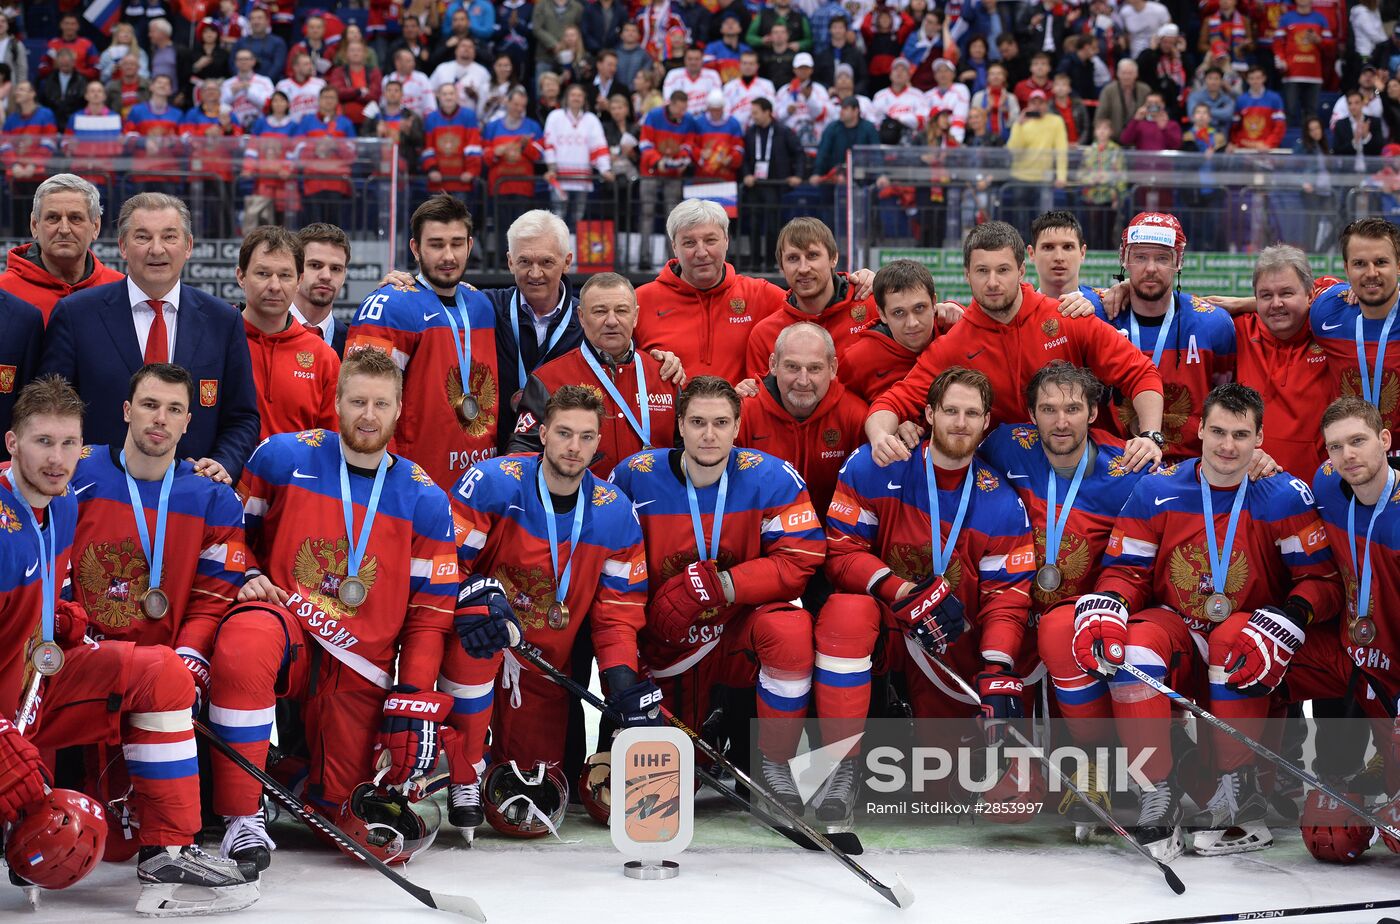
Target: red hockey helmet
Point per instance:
(1016, 793)
(59, 840)
(525, 803)
(595, 786)
(1158, 228)
(387, 823)
(1332, 833)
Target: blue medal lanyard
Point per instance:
(155, 554)
(358, 543)
(1135, 332)
(1220, 562)
(48, 558)
(1371, 382)
(1363, 572)
(1055, 521)
(561, 581)
(718, 524)
(642, 426)
(943, 553)
(515, 329)
(461, 336)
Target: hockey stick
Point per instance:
(1173, 880)
(898, 895)
(1278, 913)
(1297, 772)
(456, 904)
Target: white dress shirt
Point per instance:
(143, 316)
(326, 327)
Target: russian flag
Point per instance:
(724, 193)
(103, 14)
(36, 859)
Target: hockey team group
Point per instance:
(726, 486)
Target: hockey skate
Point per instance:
(1159, 821)
(246, 840)
(464, 808)
(1237, 813)
(1095, 789)
(181, 881)
(777, 776)
(836, 804)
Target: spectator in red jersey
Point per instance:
(356, 82)
(326, 158)
(84, 52)
(511, 147)
(1039, 79)
(1259, 119)
(315, 44)
(127, 87)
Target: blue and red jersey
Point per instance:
(1199, 354)
(412, 327)
(1259, 118)
(1304, 43)
(498, 143)
(1333, 323)
(452, 145)
(502, 532)
(295, 524)
(210, 150)
(719, 149)
(880, 521)
(724, 60)
(29, 139)
(665, 143)
(156, 141)
(326, 154)
(1157, 554)
(202, 566)
(1016, 451)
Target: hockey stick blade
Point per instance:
(1173, 880)
(899, 895)
(1271, 913)
(1263, 751)
(454, 904)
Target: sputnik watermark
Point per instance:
(893, 769)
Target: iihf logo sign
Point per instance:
(653, 791)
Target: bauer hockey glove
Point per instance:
(408, 732)
(484, 620)
(1262, 650)
(932, 614)
(21, 773)
(684, 597)
(1000, 691)
(636, 701)
(198, 667)
(1100, 634)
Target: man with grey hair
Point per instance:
(170, 59)
(65, 220)
(99, 337)
(802, 412)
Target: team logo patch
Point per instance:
(748, 460)
(986, 481)
(1051, 326)
(1167, 469)
(320, 566)
(913, 563)
(831, 437)
(603, 495)
(512, 468)
(1176, 412)
(1117, 467)
(859, 313)
(483, 389)
(208, 392)
(8, 521)
(7, 379)
(312, 437)
(87, 452)
(1189, 571)
(1327, 468)
(114, 576)
(1025, 437)
(419, 475)
(530, 592)
(737, 305)
(1201, 306)
(305, 359)
(642, 462)
(1316, 349)
(1390, 389)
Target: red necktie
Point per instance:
(157, 342)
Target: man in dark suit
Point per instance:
(326, 254)
(98, 338)
(21, 335)
(1358, 133)
(773, 164)
(62, 90)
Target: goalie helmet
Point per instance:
(1158, 228)
(59, 840)
(525, 803)
(595, 786)
(386, 823)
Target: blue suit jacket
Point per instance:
(21, 333)
(91, 341)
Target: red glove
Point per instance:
(198, 667)
(70, 622)
(1100, 634)
(1331, 831)
(408, 732)
(1261, 652)
(685, 596)
(21, 773)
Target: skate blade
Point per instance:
(1221, 842)
(1167, 849)
(176, 900)
(468, 835)
(31, 897)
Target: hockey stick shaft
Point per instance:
(1173, 880)
(459, 904)
(1277, 913)
(1295, 771)
(26, 705)
(899, 895)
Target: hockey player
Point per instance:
(549, 547)
(1210, 582)
(609, 364)
(1008, 333)
(974, 579)
(731, 537)
(885, 351)
(352, 573)
(93, 692)
(442, 335)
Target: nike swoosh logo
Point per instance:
(1162, 500)
(84, 487)
(1013, 475)
(639, 505)
(32, 568)
(762, 437)
(890, 485)
(1326, 326)
(975, 355)
(882, 373)
(662, 314)
(515, 507)
(297, 473)
(429, 317)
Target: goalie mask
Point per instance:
(525, 803)
(58, 841)
(387, 824)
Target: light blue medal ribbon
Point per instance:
(48, 567)
(515, 329)
(943, 553)
(561, 581)
(643, 426)
(1363, 586)
(1135, 332)
(1055, 521)
(358, 543)
(1371, 383)
(461, 338)
(1220, 561)
(718, 525)
(155, 554)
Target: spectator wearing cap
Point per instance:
(1162, 67)
(1212, 95)
(1039, 149)
(775, 60)
(802, 102)
(1070, 109)
(947, 95)
(1368, 83)
(1120, 99)
(721, 142)
(844, 89)
(1232, 29)
(1039, 78)
(799, 27)
(841, 47)
(845, 132)
(901, 111)
(1140, 20)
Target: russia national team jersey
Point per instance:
(1016, 451)
(1157, 554)
(1333, 324)
(21, 590)
(412, 327)
(1199, 353)
(502, 532)
(295, 523)
(770, 538)
(202, 567)
(879, 519)
(1333, 498)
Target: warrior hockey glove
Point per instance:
(408, 732)
(637, 702)
(21, 773)
(1000, 693)
(932, 614)
(1262, 651)
(484, 620)
(685, 596)
(199, 670)
(1100, 634)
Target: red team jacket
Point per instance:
(1333, 324)
(1009, 354)
(709, 330)
(295, 372)
(296, 536)
(26, 278)
(843, 319)
(879, 519)
(873, 362)
(501, 532)
(202, 568)
(1297, 385)
(411, 326)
